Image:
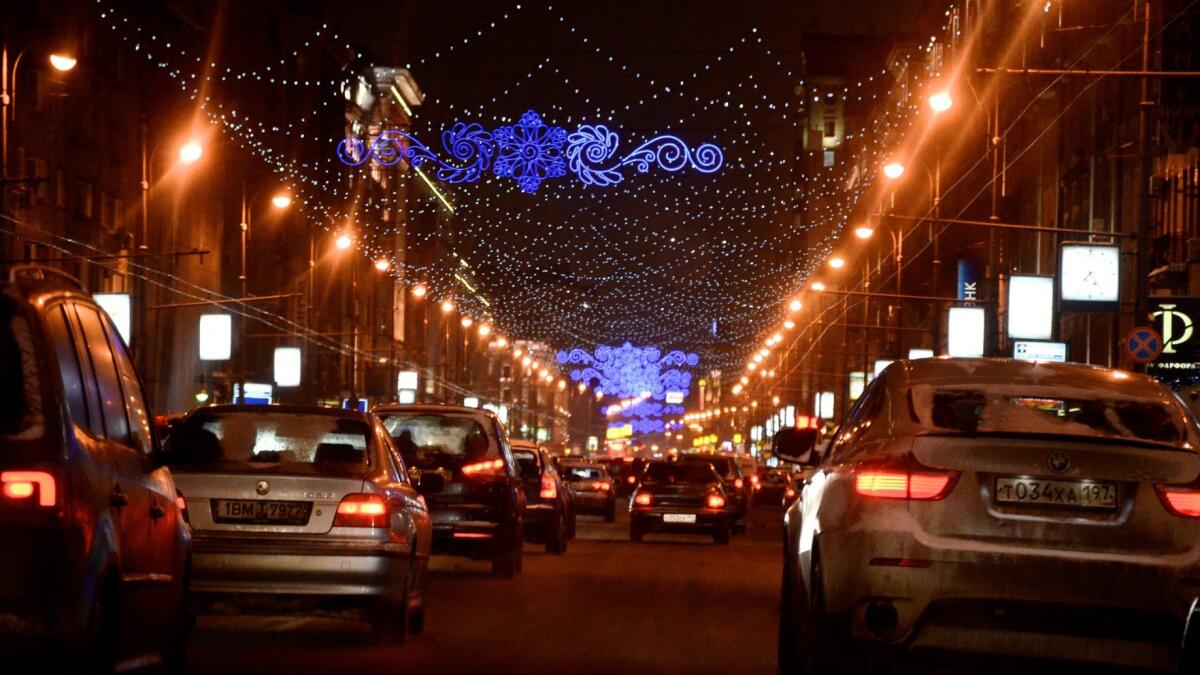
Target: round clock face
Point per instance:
(1091, 273)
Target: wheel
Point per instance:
(556, 544)
(571, 524)
(635, 534)
(506, 561)
(390, 620)
(179, 624)
(790, 660)
(416, 617)
(610, 512)
(721, 535)
(99, 653)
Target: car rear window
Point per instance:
(723, 465)
(679, 472)
(528, 462)
(574, 473)
(256, 438)
(1029, 409)
(20, 385)
(430, 441)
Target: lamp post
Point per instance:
(279, 201)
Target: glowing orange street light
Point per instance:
(281, 200)
(837, 262)
(818, 286)
(62, 62)
(863, 232)
(941, 101)
(485, 329)
(796, 305)
(418, 291)
(447, 307)
(789, 324)
(344, 242)
(466, 322)
(190, 152)
(382, 264)
(893, 170)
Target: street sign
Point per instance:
(1143, 344)
(1040, 351)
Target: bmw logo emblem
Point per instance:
(262, 487)
(1058, 463)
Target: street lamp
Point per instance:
(818, 286)
(281, 200)
(893, 170)
(418, 291)
(447, 307)
(837, 262)
(796, 305)
(382, 264)
(344, 241)
(190, 152)
(62, 62)
(8, 100)
(863, 232)
(941, 101)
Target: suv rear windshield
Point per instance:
(436, 441)
(20, 386)
(256, 438)
(528, 461)
(723, 465)
(679, 472)
(1023, 409)
(577, 473)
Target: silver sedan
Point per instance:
(995, 507)
(305, 509)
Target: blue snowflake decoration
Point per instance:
(531, 152)
(629, 371)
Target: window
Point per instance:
(434, 441)
(20, 385)
(243, 441)
(78, 386)
(108, 383)
(859, 419)
(830, 127)
(135, 404)
(828, 161)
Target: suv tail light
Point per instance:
(1181, 500)
(549, 489)
(715, 501)
(643, 499)
(19, 486)
(362, 510)
(488, 467)
(914, 483)
(601, 486)
(631, 479)
(738, 483)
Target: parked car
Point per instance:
(91, 530)
(593, 488)
(478, 505)
(737, 488)
(681, 497)
(775, 486)
(987, 506)
(549, 509)
(304, 504)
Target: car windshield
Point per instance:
(679, 472)
(20, 386)
(252, 439)
(723, 465)
(577, 473)
(431, 441)
(1047, 410)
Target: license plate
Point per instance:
(259, 512)
(679, 517)
(1084, 494)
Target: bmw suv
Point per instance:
(478, 504)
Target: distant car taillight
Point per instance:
(754, 479)
(715, 501)
(182, 504)
(362, 510)
(897, 483)
(631, 480)
(1180, 500)
(602, 486)
(790, 492)
(490, 467)
(643, 499)
(22, 485)
(738, 483)
(549, 489)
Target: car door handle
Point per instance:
(118, 498)
(157, 512)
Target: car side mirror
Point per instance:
(796, 446)
(431, 482)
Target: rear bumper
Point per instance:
(991, 599)
(539, 518)
(594, 502)
(651, 520)
(307, 567)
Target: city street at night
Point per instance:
(581, 336)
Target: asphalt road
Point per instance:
(672, 604)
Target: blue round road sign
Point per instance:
(1143, 344)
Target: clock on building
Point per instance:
(1090, 277)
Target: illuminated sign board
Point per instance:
(117, 306)
(287, 366)
(216, 337)
(966, 331)
(1030, 307)
(1040, 351)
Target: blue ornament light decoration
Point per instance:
(629, 371)
(530, 152)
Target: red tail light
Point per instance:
(738, 483)
(897, 483)
(601, 486)
(790, 493)
(643, 499)
(754, 479)
(362, 510)
(715, 501)
(490, 467)
(549, 488)
(1180, 500)
(22, 485)
(182, 504)
(631, 480)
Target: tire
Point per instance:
(390, 617)
(789, 658)
(722, 535)
(505, 561)
(99, 649)
(635, 534)
(416, 617)
(571, 524)
(610, 512)
(556, 544)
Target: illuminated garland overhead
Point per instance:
(628, 371)
(530, 152)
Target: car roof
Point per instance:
(35, 284)
(322, 411)
(522, 444)
(432, 408)
(959, 371)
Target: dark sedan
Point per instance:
(593, 488)
(548, 504)
(680, 497)
(775, 486)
